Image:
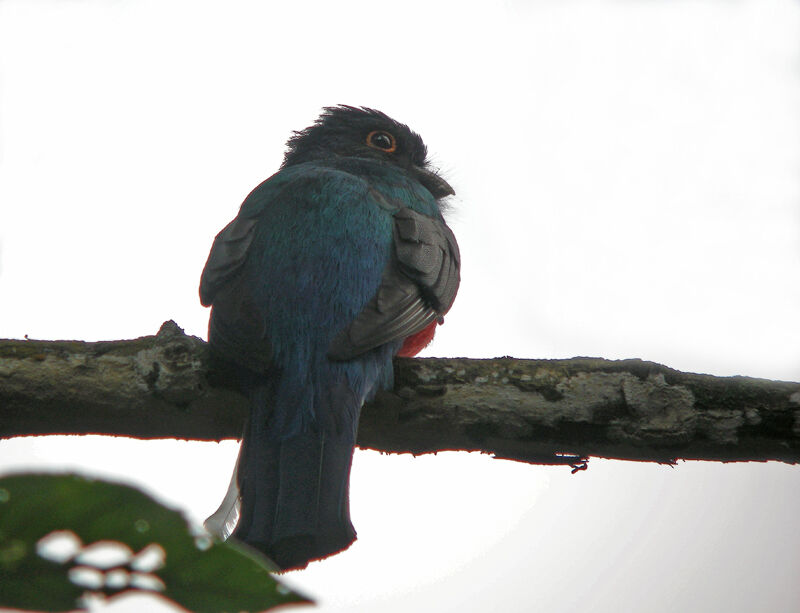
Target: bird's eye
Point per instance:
(378, 139)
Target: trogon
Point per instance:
(334, 265)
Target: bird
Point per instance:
(334, 265)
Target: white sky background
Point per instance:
(628, 179)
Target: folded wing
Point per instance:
(418, 286)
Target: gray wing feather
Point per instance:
(227, 255)
(235, 329)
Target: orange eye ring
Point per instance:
(382, 140)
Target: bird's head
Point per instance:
(348, 131)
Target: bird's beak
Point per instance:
(432, 182)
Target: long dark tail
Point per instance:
(294, 490)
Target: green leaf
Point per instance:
(107, 538)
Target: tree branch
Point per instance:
(541, 411)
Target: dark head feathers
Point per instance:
(343, 131)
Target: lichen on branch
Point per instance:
(539, 411)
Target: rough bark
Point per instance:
(540, 411)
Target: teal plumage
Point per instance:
(331, 265)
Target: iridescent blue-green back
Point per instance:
(322, 238)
